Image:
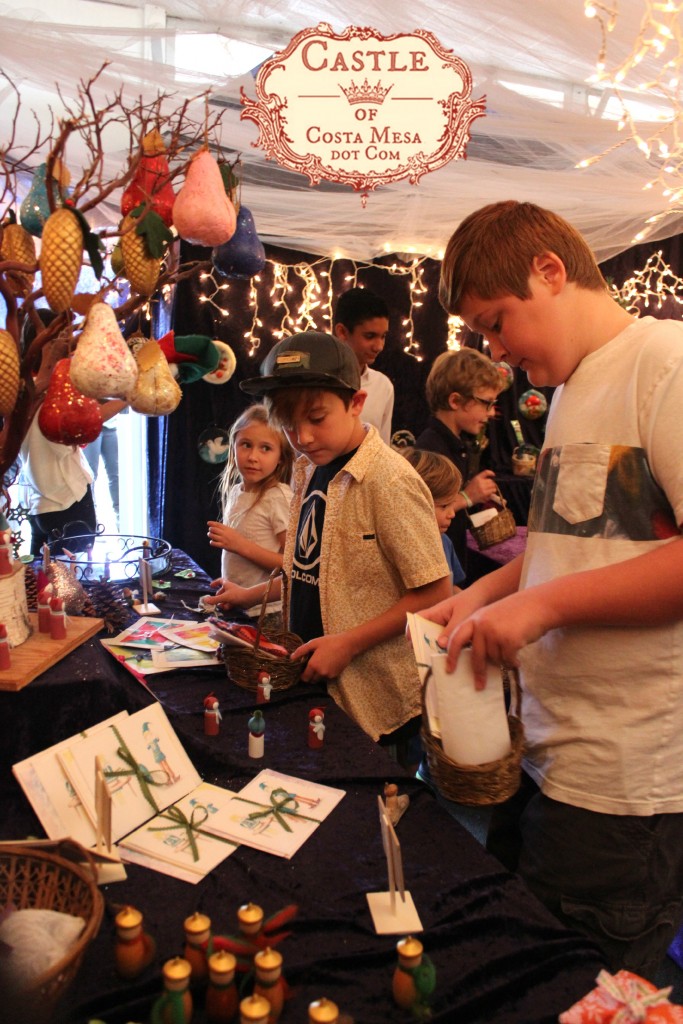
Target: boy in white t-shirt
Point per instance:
(592, 613)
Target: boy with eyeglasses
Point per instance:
(462, 388)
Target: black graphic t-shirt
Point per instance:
(305, 615)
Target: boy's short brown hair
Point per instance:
(490, 253)
(441, 476)
(461, 371)
(284, 403)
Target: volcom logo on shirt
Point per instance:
(307, 552)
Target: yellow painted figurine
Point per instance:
(174, 1006)
(414, 978)
(221, 995)
(254, 1009)
(134, 949)
(197, 933)
(269, 982)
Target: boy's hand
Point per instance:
(496, 632)
(230, 595)
(481, 487)
(328, 656)
(222, 536)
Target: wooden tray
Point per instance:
(40, 652)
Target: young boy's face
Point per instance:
(324, 429)
(471, 413)
(366, 340)
(530, 333)
(444, 509)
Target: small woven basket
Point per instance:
(476, 785)
(245, 664)
(38, 879)
(524, 459)
(501, 527)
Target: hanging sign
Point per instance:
(363, 109)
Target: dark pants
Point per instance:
(48, 525)
(616, 878)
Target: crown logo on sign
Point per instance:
(365, 93)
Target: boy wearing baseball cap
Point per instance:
(362, 548)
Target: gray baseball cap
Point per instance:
(310, 359)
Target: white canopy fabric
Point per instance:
(531, 60)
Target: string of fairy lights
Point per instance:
(300, 297)
(653, 68)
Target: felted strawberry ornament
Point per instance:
(151, 183)
(66, 415)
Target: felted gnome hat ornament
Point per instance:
(192, 356)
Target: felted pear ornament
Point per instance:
(156, 392)
(9, 373)
(243, 255)
(151, 183)
(67, 416)
(102, 365)
(203, 213)
(35, 209)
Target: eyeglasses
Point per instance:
(482, 401)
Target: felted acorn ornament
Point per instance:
(17, 246)
(102, 365)
(9, 373)
(156, 392)
(67, 416)
(203, 213)
(151, 182)
(243, 255)
(35, 208)
(61, 257)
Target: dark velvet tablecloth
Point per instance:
(500, 957)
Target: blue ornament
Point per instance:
(243, 255)
(533, 404)
(35, 209)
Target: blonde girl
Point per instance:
(444, 482)
(254, 498)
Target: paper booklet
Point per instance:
(52, 796)
(161, 645)
(423, 636)
(277, 813)
(162, 814)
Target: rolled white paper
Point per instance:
(474, 723)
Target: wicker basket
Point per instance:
(35, 878)
(245, 664)
(476, 785)
(524, 459)
(499, 528)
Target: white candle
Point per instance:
(473, 723)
